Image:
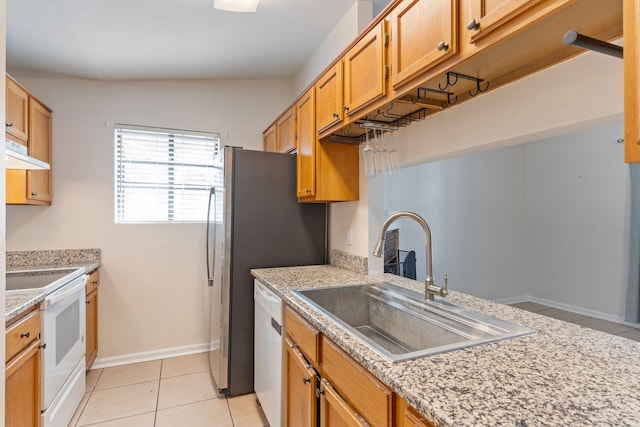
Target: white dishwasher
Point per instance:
(268, 352)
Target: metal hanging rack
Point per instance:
(574, 38)
(452, 79)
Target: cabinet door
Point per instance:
(334, 411)
(17, 104)
(488, 15)
(422, 35)
(365, 71)
(300, 389)
(269, 139)
(92, 328)
(329, 99)
(22, 388)
(286, 131)
(631, 60)
(408, 416)
(39, 182)
(306, 159)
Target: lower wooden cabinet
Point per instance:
(23, 372)
(335, 411)
(407, 416)
(92, 317)
(334, 392)
(300, 389)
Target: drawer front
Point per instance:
(303, 334)
(93, 282)
(371, 398)
(20, 335)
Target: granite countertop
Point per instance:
(18, 303)
(563, 375)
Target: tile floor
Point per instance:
(582, 320)
(163, 393)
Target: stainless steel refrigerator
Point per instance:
(255, 221)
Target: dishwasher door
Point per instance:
(268, 353)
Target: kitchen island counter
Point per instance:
(562, 375)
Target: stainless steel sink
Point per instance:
(400, 325)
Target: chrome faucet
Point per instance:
(430, 289)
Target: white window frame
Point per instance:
(135, 146)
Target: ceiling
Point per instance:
(168, 39)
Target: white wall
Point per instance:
(153, 293)
(475, 207)
(578, 221)
(547, 220)
(353, 22)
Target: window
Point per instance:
(164, 175)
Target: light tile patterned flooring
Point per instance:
(582, 320)
(173, 392)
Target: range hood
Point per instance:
(16, 157)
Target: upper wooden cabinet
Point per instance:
(305, 131)
(423, 33)
(489, 15)
(365, 70)
(286, 131)
(31, 187)
(327, 172)
(17, 111)
(631, 81)
(269, 139)
(329, 99)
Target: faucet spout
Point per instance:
(430, 287)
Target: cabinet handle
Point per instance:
(473, 25)
(25, 335)
(336, 115)
(9, 125)
(95, 282)
(306, 380)
(88, 302)
(308, 191)
(35, 194)
(345, 108)
(443, 46)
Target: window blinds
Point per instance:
(164, 175)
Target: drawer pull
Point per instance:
(25, 335)
(306, 380)
(336, 115)
(9, 125)
(35, 194)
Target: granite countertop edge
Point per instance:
(564, 374)
(17, 304)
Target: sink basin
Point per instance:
(400, 325)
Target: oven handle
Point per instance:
(65, 291)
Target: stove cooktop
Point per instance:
(47, 280)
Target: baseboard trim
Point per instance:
(146, 356)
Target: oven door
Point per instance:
(63, 331)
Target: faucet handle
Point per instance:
(444, 292)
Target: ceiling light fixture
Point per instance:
(236, 5)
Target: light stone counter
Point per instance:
(564, 375)
(44, 259)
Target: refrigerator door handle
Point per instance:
(212, 195)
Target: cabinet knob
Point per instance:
(25, 335)
(308, 190)
(35, 194)
(88, 302)
(336, 115)
(443, 46)
(306, 380)
(9, 125)
(345, 108)
(473, 25)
